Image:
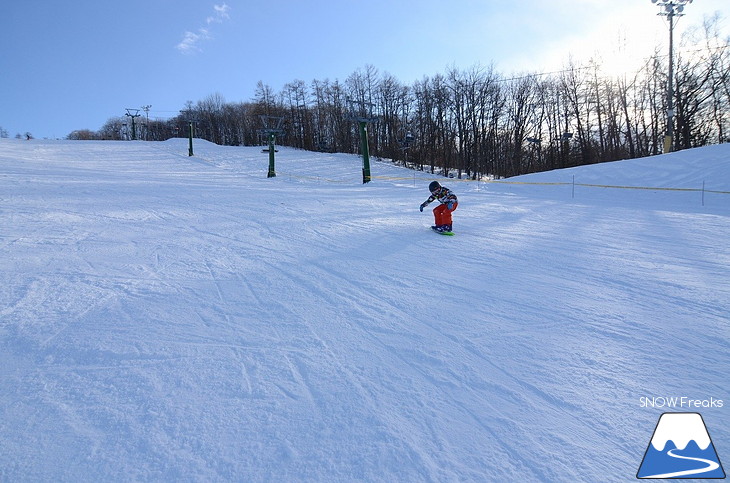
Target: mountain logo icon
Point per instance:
(681, 448)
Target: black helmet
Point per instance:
(433, 186)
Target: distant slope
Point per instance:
(683, 169)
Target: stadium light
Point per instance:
(670, 9)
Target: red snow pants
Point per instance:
(442, 214)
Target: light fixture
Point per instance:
(670, 9)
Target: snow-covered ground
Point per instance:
(175, 318)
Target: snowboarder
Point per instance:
(442, 213)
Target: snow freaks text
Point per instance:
(679, 402)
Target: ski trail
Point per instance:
(227, 327)
(414, 364)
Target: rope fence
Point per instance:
(567, 183)
(500, 181)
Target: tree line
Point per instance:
(4, 134)
(477, 122)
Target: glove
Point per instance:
(450, 205)
(423, 205)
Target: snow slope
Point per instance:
(175, 318)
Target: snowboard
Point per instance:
(445, 233)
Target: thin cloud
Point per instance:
(191, 41)
(221, 14)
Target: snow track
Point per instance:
(166, 318)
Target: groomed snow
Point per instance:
(175, 318)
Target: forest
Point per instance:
(477, 122)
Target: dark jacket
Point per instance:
(443, 194)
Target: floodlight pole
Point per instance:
(669, 137)
(146, 110)
(670, 9)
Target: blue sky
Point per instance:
(73, 65)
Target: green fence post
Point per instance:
(365, 152)
(190, 139)
(272, 141)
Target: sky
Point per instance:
(66, 66)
